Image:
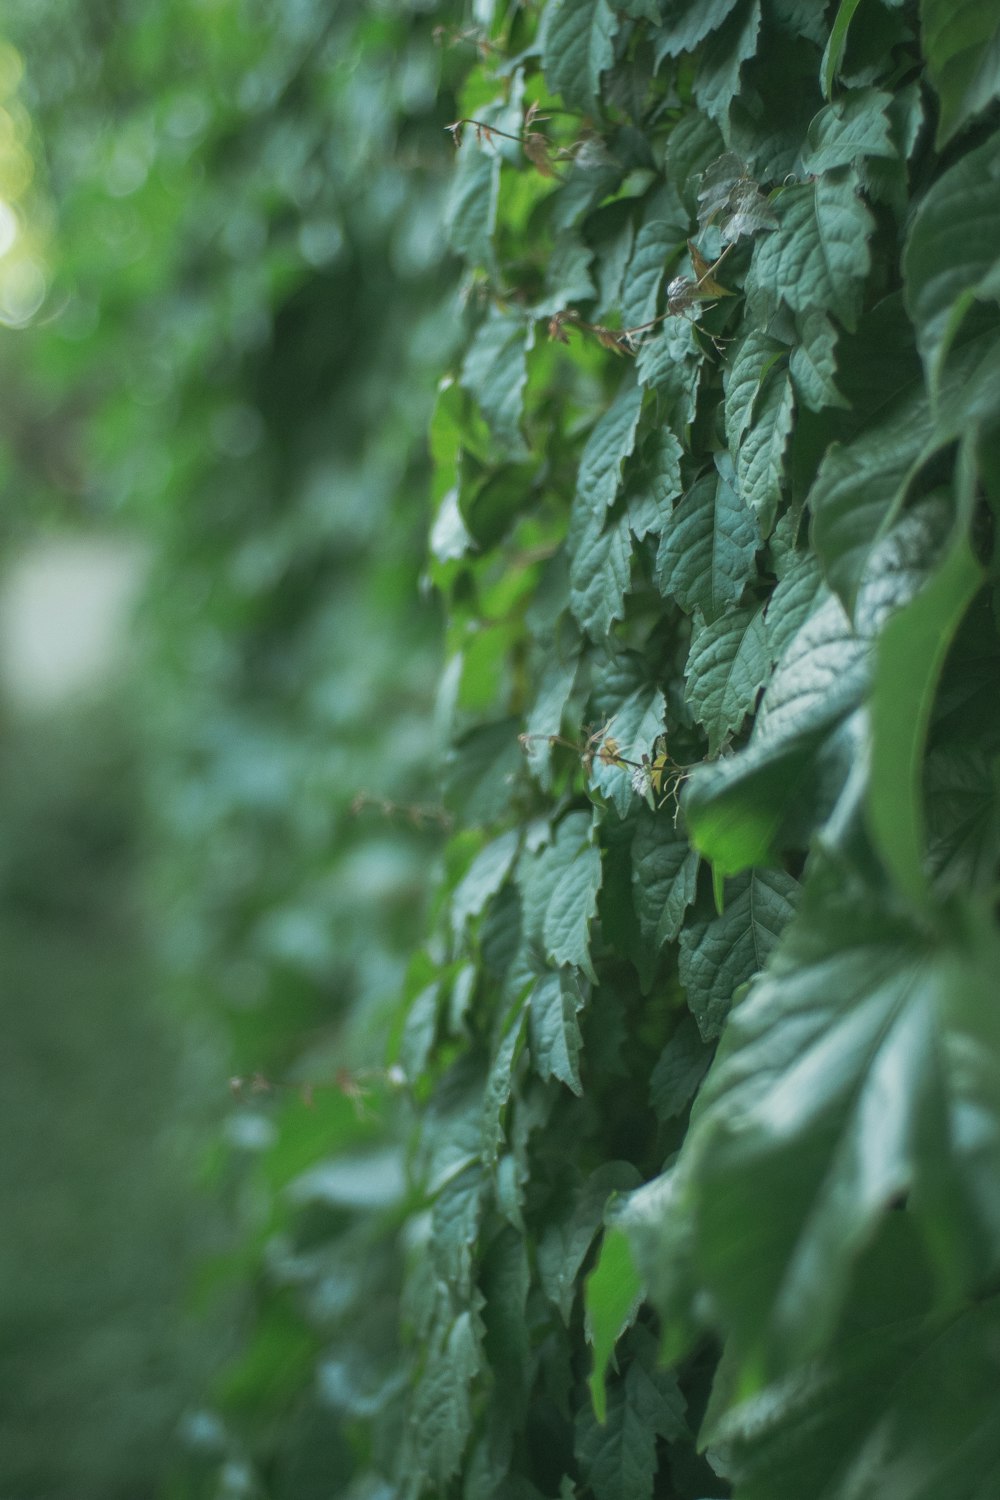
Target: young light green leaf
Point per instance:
(728, 663)
(564, 1243)
(613, 1294)
(723, 952)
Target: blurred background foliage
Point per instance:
(224, 303)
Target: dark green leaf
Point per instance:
(961, 41)
(706, 555)
(728, 664)
(577, 46)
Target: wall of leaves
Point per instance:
(677, 1175)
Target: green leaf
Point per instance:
(495, 371)
(834, 51)
(795, 597)
(687, 22)
(859, 488)
(608, 446)
(706, 555)
(454, 1225)
(656, 244)
(655, 482)
(760, 458)
(952, 251)
(717, 80)
(694, 142)
(613, 1294)
(480, 769)
(744, 809)
(909, 656)
(565, 1241)
(545, 717)
(559, 887)
(618, 1457)
(753, 360)
(483, 879)
(720, 954)
(670, 363)
(819, 256)
(899, 1411)
(825, 1103)
(813, 362)
(664, 877)
(599, 571)
(961, 42)
(679, 1071)
(577, 39)
(856, 126)
(554, 1030)
(635, 724)
(499, 1083)
(442, 1408)
(728, 663)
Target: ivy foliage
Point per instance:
(707, 1079)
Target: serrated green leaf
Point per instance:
(752, 362)
(495, 371)
(564, 1243)
(706, 556)
(899, 1411)
(694, 142)
(442, 1409)
(740, 809)
(664, 877)
(687, 22)
(454, 1224)
(825, 1102)
(483, 879)
(819, 256)
(728, 664)
(635, 724)
(670, 363)
(559, 886)
(813, 362)
(654, 484)
(717, 80)
(679, 1070)
(481, 768)
(760, 458)
(618, 1457)
(599, 571)
(720, 954)
(554, 1030)
(855, 126)
(499, 1083)
(613, 1294)
(961, 42)
(545, 717)
(952, 251)
(859, 488)
(656, 245)
(795, 597)
(577, 39)
(606, 449)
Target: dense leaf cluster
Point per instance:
(705, 1041)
